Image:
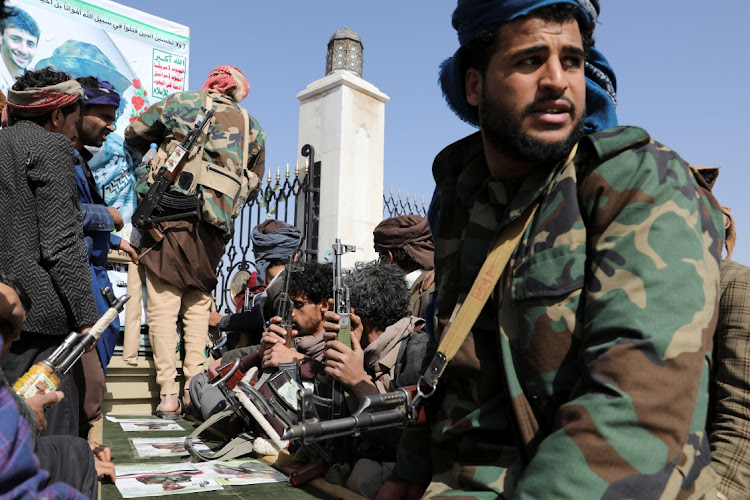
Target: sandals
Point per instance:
(172, 414)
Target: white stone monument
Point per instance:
(343, 117)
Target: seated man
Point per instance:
(388, 350)
(273, 242)
(309, 291)
(59, 459)
(406, 241)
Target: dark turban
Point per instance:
(409, 232)
(273, 240)
(474, 16)
(105, 94)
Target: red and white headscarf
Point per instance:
(37, 101)
(229, 81)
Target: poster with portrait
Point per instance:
(143, 56)
(138, 480)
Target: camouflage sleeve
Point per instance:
(147, 128)
(256, 162)
(730, 429)
(634, 420)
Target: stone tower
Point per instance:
(343, 117)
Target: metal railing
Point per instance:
(277, 199)
(398, 205)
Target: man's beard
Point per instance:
(503, 131)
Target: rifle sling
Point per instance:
(467, 310)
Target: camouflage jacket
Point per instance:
(231, 184)
(586, 374)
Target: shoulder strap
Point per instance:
(466, 313)
(245, 138)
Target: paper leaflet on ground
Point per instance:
(146, 424)
(148, 480)
(163, 447)
(241, 471)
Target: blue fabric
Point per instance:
(20, 475)
(274, 245)
(104, 95)
(473, 16)
(97, 235)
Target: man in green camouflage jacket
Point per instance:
(224, 171)
(586, 374)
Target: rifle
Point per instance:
(46, 375)
(152, 203)
(285, 312)
(335, 449)
(286, 306)
(341, 294)
(378, 411)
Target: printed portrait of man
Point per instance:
(19, 38)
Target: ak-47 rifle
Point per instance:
(46, 375)
(151, 210)
(229, 371)
(286, 306)
(341, 304)
(399, 408)
(334, 450)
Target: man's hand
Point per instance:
(274, 334)
(116, 217)
(100, 451)
(347, 366)
(211, 372)
(214, 318)
(280, 353)
(105, 469)
(12, 316)
(331, 322)
(39, 402)
(128, 249)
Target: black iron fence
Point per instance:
(277, 199)
(393, 206)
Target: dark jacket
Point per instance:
(41, 239)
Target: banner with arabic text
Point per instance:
(144, 57)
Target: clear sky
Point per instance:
(679, 66)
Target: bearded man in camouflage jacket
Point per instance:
(223, 172)
(586, 374)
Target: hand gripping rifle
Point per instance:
(341, 294)
(46, 375)
(151, 208)
(286, 306)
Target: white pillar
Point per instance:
(343, 117)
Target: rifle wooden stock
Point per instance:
(231, 382)
(155, 232)
(307, 473)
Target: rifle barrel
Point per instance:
(347, 425)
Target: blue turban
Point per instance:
(104, 94)
(277, 244)
(474, 16)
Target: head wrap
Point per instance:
(105, 94)
(38, 101)
(474, 16)
(227, 80)
(273, 242)
(409, 232)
